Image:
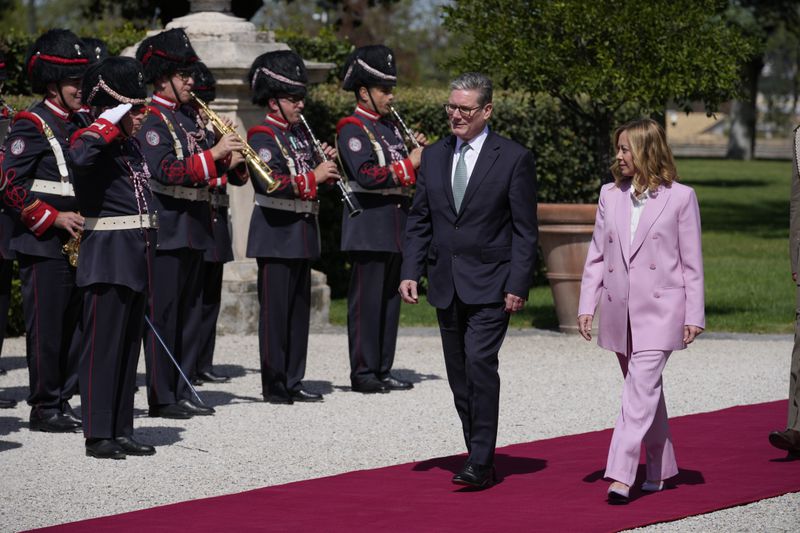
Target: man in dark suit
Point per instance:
(472, 229)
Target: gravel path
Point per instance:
(550, 388)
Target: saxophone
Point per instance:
(255, 163)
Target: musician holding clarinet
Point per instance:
(382, 172)
(284, 231)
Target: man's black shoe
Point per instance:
(211, 377)
(392, 383)
(303, 395)
(788, 439)
(133, 447)
(198, 410)
(6, 403)
(278, 399)
(197, 382)
(104, 449)
(369, 386)
(475, 475)
(170, 410)
(52, 422)
(67, 411)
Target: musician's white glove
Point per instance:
(115, 114)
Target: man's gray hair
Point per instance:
(474, 81)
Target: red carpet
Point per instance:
(549, 485)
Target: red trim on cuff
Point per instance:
(304, 181)
(219, 181)
(104, 129)
(202, 167)
(404, 172)
(38, 217)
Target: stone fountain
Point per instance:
(228, 45)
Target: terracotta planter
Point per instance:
(565, 231)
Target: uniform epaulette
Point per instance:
(259, 129)
(348, 120)
(153, 109)
(25, 115)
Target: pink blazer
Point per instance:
(656, 281)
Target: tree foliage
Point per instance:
(598, 57)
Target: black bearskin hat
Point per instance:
(97, 47)
(56, 55)
(114, 80)
(166, 53)
(277, 73)
(370, 66)
(3, 73)
(205, 85)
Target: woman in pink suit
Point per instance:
(645, 268)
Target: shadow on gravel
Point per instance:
(406, 374)
(215, 398)
(5, 446)
(234, 371)
(10, 424)
(318, 386)
(506, 465)
(13, 362)
(14, 393)
(684, 477)
(159, 436)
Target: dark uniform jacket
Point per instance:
(290, 155)
(380, 227)
(112, 180)
(222, 249)
(182, 223)
(6, 219)
(28, 156)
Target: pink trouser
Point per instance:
(642, 419)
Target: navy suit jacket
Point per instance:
(489, 247)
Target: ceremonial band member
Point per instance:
(39, 191)
(6, 227)
(117, 248)
(182, 171)
(381, 172)
(284, 231)
(221, 252)
(473, 229)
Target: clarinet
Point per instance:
(406, 129)
(348, 197)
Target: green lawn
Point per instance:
(745, 212)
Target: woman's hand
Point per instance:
(585, 326)
(690, 332)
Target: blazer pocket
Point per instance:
(497, 254)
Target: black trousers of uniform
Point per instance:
(174, 309)
(113, 318)
(284, 292)
(6, 271)
(211, 283)
(52, 306)
(373, 313)
(471, 339)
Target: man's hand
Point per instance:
(408, 291)
(421, 139)
(329, 151)
(70, 221)
(416, 156)
(690, 332)
(115, 114)
(514, 303)
(226, 144)
(585, 326)
(236, 159)
(325, 171)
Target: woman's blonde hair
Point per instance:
(652, 159)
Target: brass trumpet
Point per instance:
(406, 129)
(255, 163)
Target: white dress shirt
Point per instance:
(471, 156)
(636, 209)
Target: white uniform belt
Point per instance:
(147, 220)
(58, 188)
(285, 204)
(399, 191)
(220, 200)
(179, 192)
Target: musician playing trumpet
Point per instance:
(284, 231)
(381, 172)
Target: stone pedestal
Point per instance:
(228, 45)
